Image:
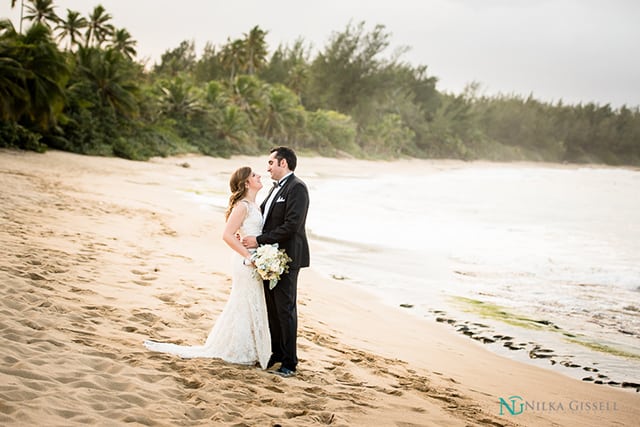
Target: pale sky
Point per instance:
(574, 50)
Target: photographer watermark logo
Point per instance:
(516, 405)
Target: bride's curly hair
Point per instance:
(238, 186)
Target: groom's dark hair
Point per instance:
(288, 154)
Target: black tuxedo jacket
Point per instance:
(286, 219)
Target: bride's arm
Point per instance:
(238, 213)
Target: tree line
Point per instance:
(74, 83)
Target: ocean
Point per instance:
(540, 262)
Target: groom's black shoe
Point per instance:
(284, 372)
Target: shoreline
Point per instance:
(509, 341)
(532, 351)
(106, 253)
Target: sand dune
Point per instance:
(100, 254)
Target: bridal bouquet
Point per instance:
(270, 263)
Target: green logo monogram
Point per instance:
(515, 407)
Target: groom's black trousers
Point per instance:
(283, 318)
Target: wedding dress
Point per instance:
(241, 333)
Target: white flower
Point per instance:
(270, 263)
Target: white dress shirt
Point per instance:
(273, 195)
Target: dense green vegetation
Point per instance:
(73, 83)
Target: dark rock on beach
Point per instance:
(626, 384)
(541, 353)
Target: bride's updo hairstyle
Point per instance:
(238, 186)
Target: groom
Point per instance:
(284, 212)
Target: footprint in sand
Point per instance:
(82, 291)
(36, 276)
(388, 391)
(324, 418)
(145, 277)
(148, 319)
(274, 389)
(191, 384)
(347, 378)
(313, 390)
(295, 413)
(141, 283)
(32, 325)
(168, 298)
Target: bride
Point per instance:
(241, 333)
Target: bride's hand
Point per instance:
(249, 242)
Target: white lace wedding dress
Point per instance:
(241, 333)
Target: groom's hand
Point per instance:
(249, 242)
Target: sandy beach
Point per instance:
(99, 254)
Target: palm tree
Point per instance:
(297, 78)
(71, 28)
(123, 43)
(41, 12)
(247, 94)
(282, 112)
(216, 94)
(175, 61)
(46, 76)
(13, 94)
(109, 75)
(179, 100)
(99, 28)
(232, 57)
(232, 125)
(255, 50)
